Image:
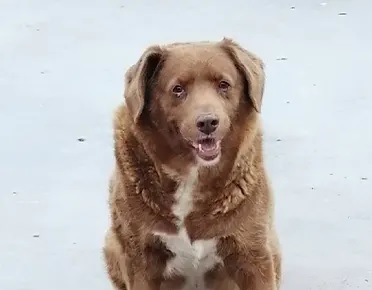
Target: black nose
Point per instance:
(207, 124)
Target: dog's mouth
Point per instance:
(207, 148)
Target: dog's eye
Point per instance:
(178, 90)
(223, 86)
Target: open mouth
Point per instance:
(207, 148)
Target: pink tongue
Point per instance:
(207, 147)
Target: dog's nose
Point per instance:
(207, 124)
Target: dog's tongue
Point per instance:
(207, 147)
(208, 150)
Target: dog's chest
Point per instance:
(191, 259)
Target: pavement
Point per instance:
(61, 76)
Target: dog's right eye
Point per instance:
(178, 90)
(224, 86)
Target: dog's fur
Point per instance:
(178, 221)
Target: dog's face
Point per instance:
(193, 93)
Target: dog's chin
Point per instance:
(208, 163)
(207, 151)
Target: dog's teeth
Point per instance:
(201, 148)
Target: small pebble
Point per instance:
(281, 58)
(36, 236)
(14, 192)
(81, 139)
(293, 7)
(342, 13)
(278, 140)
(364, 178)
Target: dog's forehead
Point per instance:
(187, 45)
(189, 52)
(196, 58)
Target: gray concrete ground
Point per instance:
(61, 75)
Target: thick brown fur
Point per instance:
(232, 200)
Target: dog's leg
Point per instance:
(277, 259)
(277, 256)
(140, 283)
(114, 258)
(253, 271)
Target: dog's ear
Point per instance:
(138, 80)
(252, 69)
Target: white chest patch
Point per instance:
(192, 260)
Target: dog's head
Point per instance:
(193, 94)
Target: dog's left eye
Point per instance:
(178, 90)
(223, 86)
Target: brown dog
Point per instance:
(190, 202)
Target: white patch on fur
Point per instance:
(192, 260)
(183, 196)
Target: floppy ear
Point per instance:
(252, 69)
(138, 80)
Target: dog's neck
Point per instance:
(217, 183)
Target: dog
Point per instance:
(190, 201)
